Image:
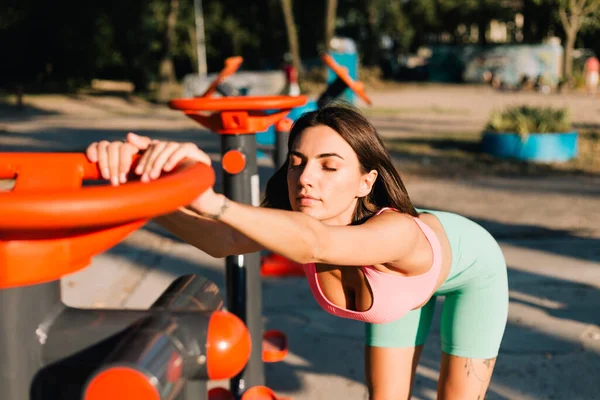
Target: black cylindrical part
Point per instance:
(167, 348)
(22, 310)
(333, 91)
(67, 330)
(281, 148)
(243, 271)
(191, 293)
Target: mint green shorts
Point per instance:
(475, 308)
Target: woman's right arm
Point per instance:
(115, 161)
(213, 237)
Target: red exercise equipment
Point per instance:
(51, 226)
(237, 119)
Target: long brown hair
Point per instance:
(388, 189)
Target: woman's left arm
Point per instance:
(386, 238)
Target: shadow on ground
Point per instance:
(58, 139)
(11, 112)
(563, 242)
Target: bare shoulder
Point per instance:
(390, 236)
(401, 231)
(394, 224)
(393, 218)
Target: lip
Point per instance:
(306, 200)
(301, 197)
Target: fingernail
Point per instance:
(114, 180)
(122, 178)
(105, 173)
(144, 177)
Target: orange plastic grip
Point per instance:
(121, 383)
(48, 193)
(232, 64)
(285, 125)
(228, 345)
(234, 162)
(342, 73)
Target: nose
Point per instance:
(307, 176)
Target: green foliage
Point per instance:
(366, 21)
(396, 23)
(65, 44)
(525, 120)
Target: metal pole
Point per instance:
(194, 390)
(244, 297)
(200, 38)
(22, 309)
(280, 151)
(333, 91)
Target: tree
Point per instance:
(330, 17)
(574, 16)
(372, 50)
(166, 70)
(292, 33)
(539, 20)
(382, 18)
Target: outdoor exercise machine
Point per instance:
(334, 91)
(342, 81)
(237, 119)
(52, 226)
(232, 64)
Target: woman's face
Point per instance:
(324, 176)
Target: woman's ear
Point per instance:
(366, 183)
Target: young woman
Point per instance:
(339, 207)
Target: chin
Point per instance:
(309, 211)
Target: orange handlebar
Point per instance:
(238, 114)
(51, 226)
(232, 64)
(238, 103)
(48, 193)
(342, 73)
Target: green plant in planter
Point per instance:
(525, 120)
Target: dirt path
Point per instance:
(464, 108)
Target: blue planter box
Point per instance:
(540, 147)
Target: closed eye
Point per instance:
(294, 161)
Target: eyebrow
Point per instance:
(324, 155)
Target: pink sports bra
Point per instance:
(393, 295)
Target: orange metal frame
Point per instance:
(232, 64)
(342, 73)
(51, 226)
(238, 114)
